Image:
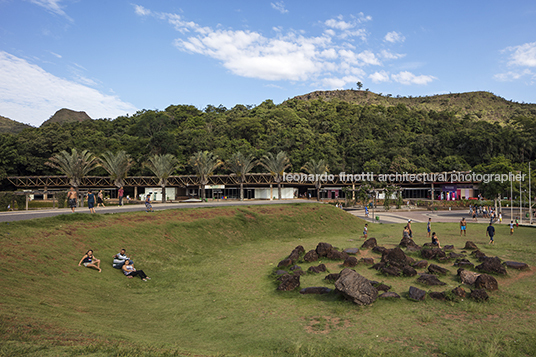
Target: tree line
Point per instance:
(347, 137)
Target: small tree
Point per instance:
(241, 165)
(117, 165)
(359, 85)
(276, 165)
(204, 164)
(316, 168)
(162, 167)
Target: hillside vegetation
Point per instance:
(477, 105)
(213, 289)
(64, 115)
(11, 126)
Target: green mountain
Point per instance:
(11, 126)
(63, 116)
(476, 105)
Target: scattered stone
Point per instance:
(298, 272)
(336, 255)
(289, 282)
(436, 269)
(295, 255)
(429, 279)
(432, 253)
(459, 292)
(356, 287)
(351, 251)
(470, 245)
(315, 290)
(463, 263)
(322, 249)
(416, 293)
(487, 282)
(294, 267)
(395, 257)
(389, 295)
(448, 247)
(467, 277)
(438, 295)
(369, 243)
(409, 271)
(368, 261)
(453, 255)
(317, 269)
(380, 286)
(378, 266)
(413, 248)
(391, 270)
(332, 277)
(350, 262)
(285, 263)
(420, 264)
(479, 295)
(311, 256)
(280, 272)
(407, 242)
(380, 249)
(492, 265)
(478, 254)
(516, 265)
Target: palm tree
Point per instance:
(75, 165)
(241, 165)
(162, 166)
(316, 168)
(204, 164)
(117, 165)
(276, 165)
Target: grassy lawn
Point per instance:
(213, 292)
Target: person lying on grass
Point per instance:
(130, 271)
(90, 261)
(120, 259)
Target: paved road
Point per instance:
(31, 214)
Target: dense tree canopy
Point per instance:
(348, 137)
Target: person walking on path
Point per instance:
(121, 193)
(490, 231)
(71, 197)
(511, 227)
(148, 206)
(463, 227)
(91, 201)
(100, 199)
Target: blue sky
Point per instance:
(110, 58)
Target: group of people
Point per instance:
(120, 261)
(92, 199)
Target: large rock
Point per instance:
(369, 243)
(391, 270)
(487, 282)
(311, 256)
(492, 265)
(351, 251)
(289, 282)
(395, 258)
(459, 292)
(409, 271)
(516, 265)
(407, 242)
(470, 245)
(285, 263)
(332, 277)
(350, 262)
(356, 287)
(416, 293)
(436, 269)
(479, 295)
(380, 249)
(463, 263)
(317, 269)
(429, 279)
(334, 254)
(467, 277)
(438, 295)
(315, 290)
(322, 249)
(295, 254)
(420, 264)
(433, 253)
(368, 261)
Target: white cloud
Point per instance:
(523, 55)
(408, 78)
(279, 6)
(512, 76)
(52, 6)
(379, 77)
(389, 55)
(394, 36)
(27, 91)
(140, 10)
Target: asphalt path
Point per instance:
(12, 216)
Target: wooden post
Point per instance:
(135, 192)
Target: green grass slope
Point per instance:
(11, 126)
(213, 292)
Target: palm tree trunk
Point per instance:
(241, 191)
(279, 189)
(317, 191)
(163, 193)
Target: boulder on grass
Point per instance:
(416, 294)
(369, 243)
(487, 282)
(380, 286)
(492, 265)
(409, 271)
(448, 247)
(350, 262)
(407, 242)
(334, 254)
(315, 290)
(479, 295)
(356, 287)
(311, 256)
(317, 269)
(463, 263)
(438, 295)
(285, 263)
(470, 245)
(322, 249)
(467, 277)
(429, 279)
(332, 277)
(289, 282)
(391, 270)
(295, 254)
(395, 257)
(389, 295)
(516, 265)
(436, 269)
(380, 249)
(351, 251)
(420, 264)
(459, 292)
(378, 266)
(368, 261)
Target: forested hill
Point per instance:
(11, 126)
(351, 137)
(479, 105)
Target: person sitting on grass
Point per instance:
(148, 205)
(90, 261)
(435, 240)
(120, 259)
(130, 271)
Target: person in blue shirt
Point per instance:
(91, 201)
(490, 231)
